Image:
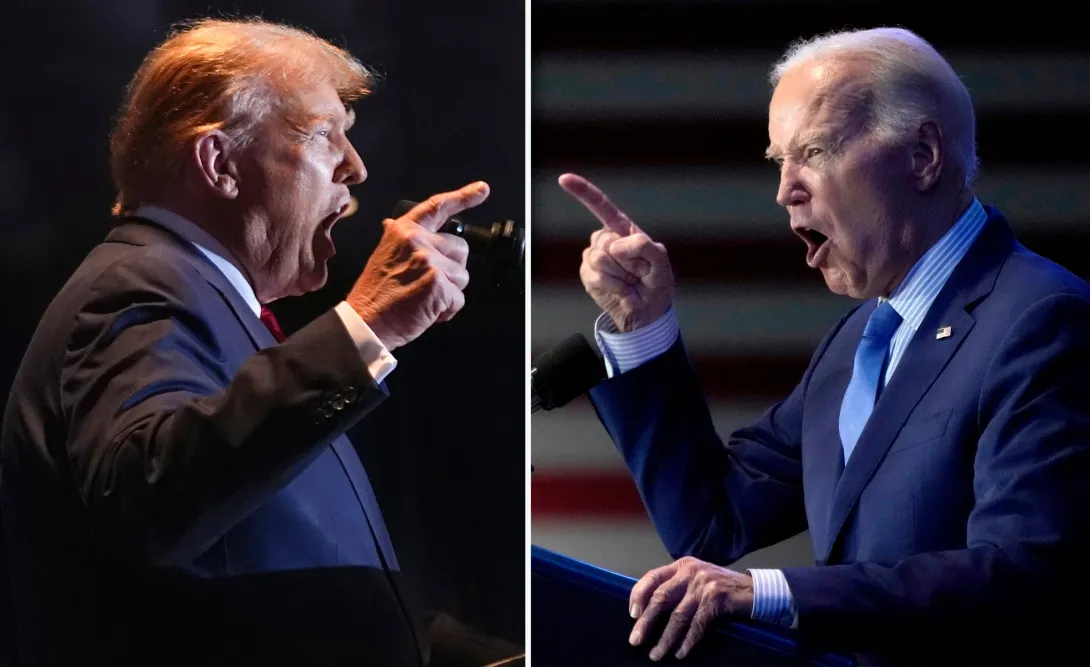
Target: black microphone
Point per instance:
(571, 368)
(503, 244)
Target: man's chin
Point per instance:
(834, 280)
(838, 283)
(312, 280)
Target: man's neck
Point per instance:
(229, 236)
(935, 224)
(942, 220)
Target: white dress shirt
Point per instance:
(378, 359)
(772, 599)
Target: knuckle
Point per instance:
(658, 597)
(401, 231)
(430, 278)
(421, 257)
(416, 235)
(699, 624)
(432, 205)
(442, 294)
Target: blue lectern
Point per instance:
(579, 616)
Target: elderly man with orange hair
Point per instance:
(176, 484)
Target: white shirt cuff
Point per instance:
(772, 599)
(624, 351)
(378, 359)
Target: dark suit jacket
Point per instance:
(176, 488)
(962, 512)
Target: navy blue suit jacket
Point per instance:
(176, 488)
(962, 512)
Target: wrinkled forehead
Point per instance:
(827, 96)
(303, 101)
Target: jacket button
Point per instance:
(349, 394)
(338, 404)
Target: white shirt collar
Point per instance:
(921, 286)
(208, 245)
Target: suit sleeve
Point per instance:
(169, 447)
(1027, 531)
(706, 500)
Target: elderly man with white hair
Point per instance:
(938, 445)
(176, 484)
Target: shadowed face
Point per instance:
(294, 181)
(846, 192)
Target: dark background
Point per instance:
(446, 451)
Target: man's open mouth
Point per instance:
(815, 245)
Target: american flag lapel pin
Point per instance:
(943, 332)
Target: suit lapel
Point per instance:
(258, 332)
(137, 231)
(923, 361)
(823, 458)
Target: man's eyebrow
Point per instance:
(321, 117)
(776, 153)
(816, 136)
(807, 138)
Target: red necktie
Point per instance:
(269, 320)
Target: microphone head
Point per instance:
(502, 246)
(402, 207)
(571, 368)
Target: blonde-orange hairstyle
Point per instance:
(210, 74)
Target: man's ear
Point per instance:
(214, 155)
(927, 157)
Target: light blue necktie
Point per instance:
(870, 358)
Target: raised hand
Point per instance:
(626, 273)
(416, 275)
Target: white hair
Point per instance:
(911, 84)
